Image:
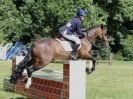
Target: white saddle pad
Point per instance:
(66, 45)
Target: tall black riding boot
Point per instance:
(74, 52)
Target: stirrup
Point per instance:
(73, 57)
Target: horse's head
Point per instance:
(102, 35)
(98, 31)
(16, 74)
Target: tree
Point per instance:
(120, 22)
(38, 18)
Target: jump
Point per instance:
(42, 52)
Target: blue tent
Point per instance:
(13, 50)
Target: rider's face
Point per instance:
(82, 18)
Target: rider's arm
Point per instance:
(79, 30)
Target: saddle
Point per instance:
(61, 38)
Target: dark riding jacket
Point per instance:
(75, 26)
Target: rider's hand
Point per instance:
(83, 30)
(81, 36)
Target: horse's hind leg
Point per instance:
(28, 79)
(32, 68)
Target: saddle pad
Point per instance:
(65, 44)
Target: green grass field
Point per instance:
(107, 82)
(5, 71)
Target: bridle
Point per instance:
(102, 39)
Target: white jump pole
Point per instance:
(77, 79)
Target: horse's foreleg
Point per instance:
(91, 67)
(92, 63)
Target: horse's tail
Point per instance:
(25, 62)
(28, 56)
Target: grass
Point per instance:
(107, 82)
(5, 71)
(114, 82)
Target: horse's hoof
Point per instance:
(25, 80)
(89, 71)
(26, 86)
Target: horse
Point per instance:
(43, 51)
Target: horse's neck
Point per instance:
(92, 34)
(85, 41)
(86, 45)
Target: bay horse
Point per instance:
(42, 52)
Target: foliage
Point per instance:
(100, 51)
(127, 52)
(39, 18)
(119, 23)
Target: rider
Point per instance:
(73, 31)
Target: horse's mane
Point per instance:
(93, 27)
(90, 30)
